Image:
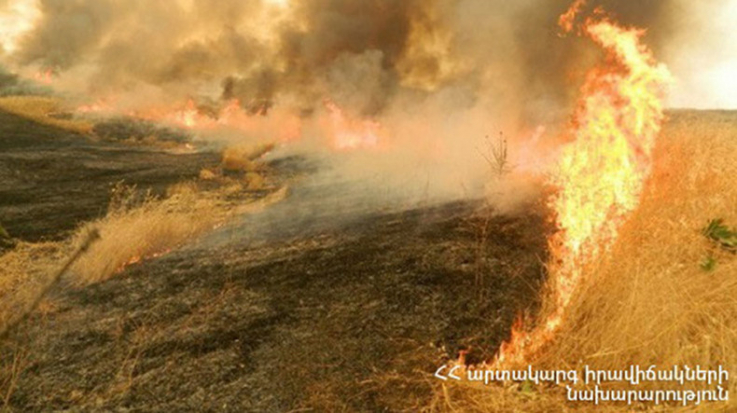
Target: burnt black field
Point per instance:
(318, 314)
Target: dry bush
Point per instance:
(254, 181)
(136, 227)
(41, 109)
(651, 302)
(207, 175)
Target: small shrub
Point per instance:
(721, 234)
(497, 156)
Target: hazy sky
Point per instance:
(703, 56)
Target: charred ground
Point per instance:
(51, 180)
(356, 315)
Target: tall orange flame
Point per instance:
(601, 172)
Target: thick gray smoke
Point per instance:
(439, 75)
(363, 54)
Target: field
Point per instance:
(215, 294)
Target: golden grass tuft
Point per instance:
(136, 227)
(650, 302)
(41, 109)
(155, 226)
(130, 233)
(25, 269)
(243, 158)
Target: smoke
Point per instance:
(436, 75)
(703, 55)
(361, 54)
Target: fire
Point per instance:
(601, 171)
(351, 133)
(99, 106)
(231, 116)
(189, 117)
(226, 116)
(343, 131)
(140, 258)
(568, 18)
(45, 77)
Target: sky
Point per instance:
(703, 57)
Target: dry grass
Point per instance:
(244, 158)
(136, 227)
(41, 109)
(130, 233)
(650, 302)
(25, 270)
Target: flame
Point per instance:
(190, 116)
(567, 19)
(137, 259)
(345, 132)
(231, 115)
(601, 171)
(351, 133)
(45, 77)
(99, 106)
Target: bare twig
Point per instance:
(496, 155)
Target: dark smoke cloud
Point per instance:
(362, 54)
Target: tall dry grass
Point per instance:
(651, 302)
(25, 270)
(135, 228)
(42, 109)
(133, 232)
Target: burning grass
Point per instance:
(650, 302)
(139, 132)
(45, 110)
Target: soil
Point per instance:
(323, 312)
